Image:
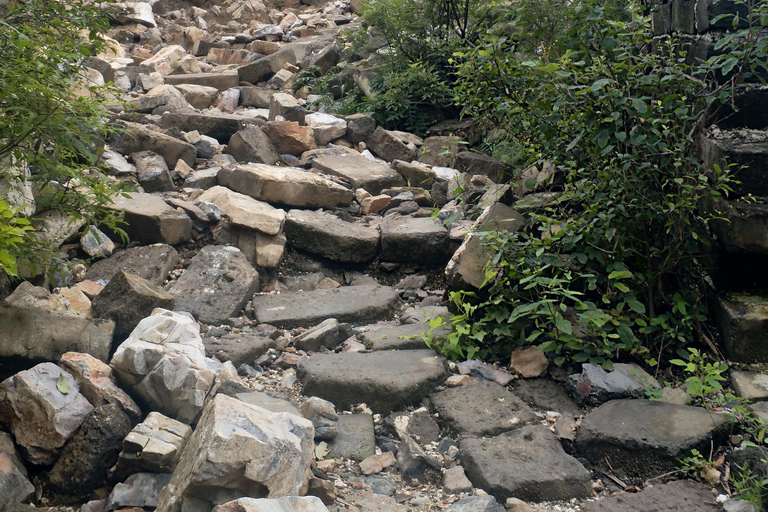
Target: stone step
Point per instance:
(360, 172)
(330, 237)
(680, 496)
(221, 81)
(742, 319)
(746, 150)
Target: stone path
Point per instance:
(261, 344)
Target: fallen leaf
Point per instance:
(321, 450)
(62, 384)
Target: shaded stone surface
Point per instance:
(240, 450)
(743, 322)
(152, 262)
(42, 418)
(545, 394)
(481, 409)
(527, 463)
(355, 438)
(678, 496)
(415, 240)
(400, 337)
(360, 172)
(139, 490)
(137, 138)
(642, 439)
(216, 285)
(15, 486)
(750, 385)
(241, 347)
(329, 236)
(385, 380)
(245, 211)
(476, 504)
(251, 144)
(353, 304)
(149, 219)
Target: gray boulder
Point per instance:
(414, 240)
(15, 486)
(355, 437)
(596, 386)
(359, 172)
(152, 172)
(152, 262)
(39, 414)
(244, 211)
(680, 496)
(141, 490)
(216, 285)
(137, 138)
(286, 504)
(238, 347)
(149, 219)
(476, 504)
(389, 146)
(252, 145)
(329, 236)
(240, 450)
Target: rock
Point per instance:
(476, 504)
(370, 502)
(374, 464)
(326, 127)
(152, 446)
(165, 60)
(163, 361)
(389, 146)
(35, 334)
(238, 348)
(742, 319)
(97, 383)
(128, 299)
(534, 466)
(355, 438)
(39, 415)
(484, 371)
(385, 380)
(326, 58)
(289, 137)
(596, 386)
(360, 127)
(219, 126)
(681, 495)
(140, 490)
(137, 138)
(323, 416)
(82, 467)
(15, 486)
(418, 424)
(325, 334)
(353, 304)
(413, 462)
(252, 145)
(329, 236)
(216, 285)
(96, 244)
(149, 219)
(736, 505)
(286, 504)
(400, 337)
(359, 172)
(545, 394)
(538, 178)
(481, 409)
(466, 270)
(219, 81)
(440, 150)
(203, 179)
(414, 240)
(285, 106)
(244, 211)
(455, 481)
(240, 449)
(270, 401)
(152, 262)
(199, 96)
(288, 186)
(642, 438)
(323, 489)
(260, 249)
(750, 385)
(528, 362)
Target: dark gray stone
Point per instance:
(643, 439)
(385, 380)
(353, 304)
(137, 138)
(326, 334)
(419, 424)
(476, 504)
(743, 322)
(414, 462)
(400, 337)
(220, 126)
(476, 163)
(678, 496)
(149, 219)
(216, 285)
(414, 240)
(389, 146)
(527, 463)
(139, 490)
(329, 236)
(481, 409)
(545, 394)
(83, 464)
(15, 486)
(128, 299)
(252, 145)
(240, 348)
(595, 386)
(152, 172)
(359, 127)
(355, 438)
(152, 262)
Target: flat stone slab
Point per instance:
(528, 463)
(677, 496)
(149, 219)
(329, 236)
(399, 337)
(414, 240)
(352, 304)
(239, 348)
(386, 380)
(643, 439)
(220, 126)
(245, 211)
(221, 81)
(750, 385)
(360, 172)
(152, 262)
(285, 185)
(356, 438)
(545, 394)
(481, 409)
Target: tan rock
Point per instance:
(377, 463)
(528, 362)
(374, 204)
(289, 137)
(245, 211)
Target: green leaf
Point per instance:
(620, 274)
(728, 65)
(639, 105)
(563, 325)
(621, 287)
(599, 84)
(62, 384)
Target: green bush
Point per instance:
(43, 44)
(612, 269)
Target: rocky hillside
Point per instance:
(260, 344)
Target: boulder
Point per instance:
(96, 244)
(245, 211)
(329, 236)
(417, 174)
(642, 439)
(528, 362)
(385, 380)
(149, 219)
(220, 81)
(742, 319)
(252, 145)
(359, 127)
(390, 146)
(285, 106)
(354, 439)
(39, 414)
(353, 304)
(289, 137)
(359, 172)
(533, 467)
(286, 504)
(400, 337)
(284, 185)
(137, 138)
(323, 416)
(414, 240)
(127, 300)
(83, 464)
(163, 362)
(15, 486)
(680, 495)
(327, 334)
(219, 126)
(97, 383)
(166, 60)
(440, 151)
(260, 249)
(596, 386)
(140, 490)
(199, 96)
(474, 163)
(481, 409)
(326, 127)
(216, 285)
(152, 262)
(475, 503)
(238, 347)
(752, 386)
(240, 450)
